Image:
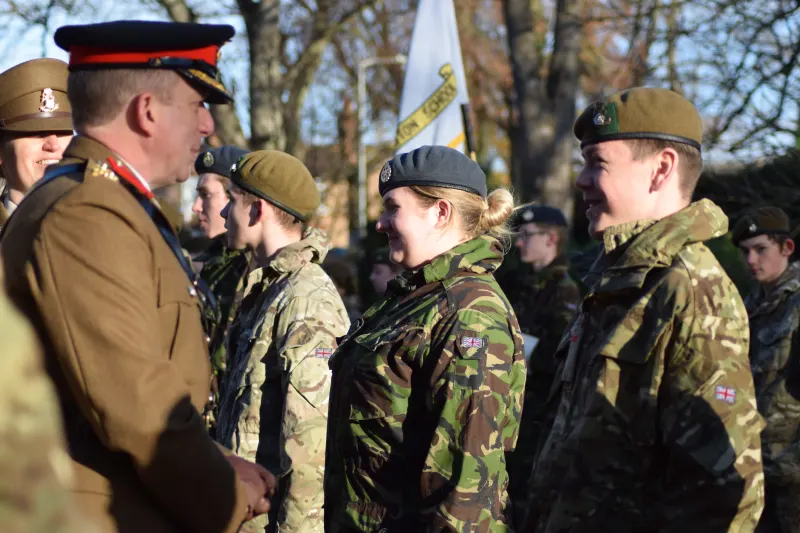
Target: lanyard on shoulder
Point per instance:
(148, 203)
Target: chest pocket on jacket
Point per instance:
(381, 371)
(627, 382)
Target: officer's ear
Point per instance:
(143, 113)
(258, 211)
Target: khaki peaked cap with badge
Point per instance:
(641, 113)
(125, 347)
(280, 179)
(766, 220)
(33, 97)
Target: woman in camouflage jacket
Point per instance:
(427, 386)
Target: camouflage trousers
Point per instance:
(268, 523)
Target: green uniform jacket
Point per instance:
(656, 426)
(545, 304)
(225, 271)
(775, 358)
(274, 393)
(426, 400)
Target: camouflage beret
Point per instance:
(761, 221)
(641, 113)
(433, 166)
(33, 97)
(280, 179)
(218, 160)
(540, 214)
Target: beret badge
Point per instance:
(752, 228)
(386, 173)
(601, 119)
(208, 159)
(527, 216)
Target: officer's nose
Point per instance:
(225, 211)
(206, 122)
(51, 144)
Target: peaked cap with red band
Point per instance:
(191, 50)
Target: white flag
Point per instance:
(434, 86)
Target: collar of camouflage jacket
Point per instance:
(217, 247)
(312, 248)
(481, 255)
(787, 284)
(631, 250)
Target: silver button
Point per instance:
(192, 291)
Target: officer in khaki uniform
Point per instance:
(274, 393)
(656, 426)
(35, 126)
(93, 263)
(765, 238)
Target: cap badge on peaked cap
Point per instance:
(48, 102)
(208, 159)
(386, 173)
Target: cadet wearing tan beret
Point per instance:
(35, 126)
(656, 426)
(273, 397)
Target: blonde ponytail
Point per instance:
(478, 216)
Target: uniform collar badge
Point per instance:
(48, 102)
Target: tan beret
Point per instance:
(641, 113)
(280, 179)
(761, 221)
(33, 97)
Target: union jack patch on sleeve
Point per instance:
(471, 342)
(726, 394)
(323, 353)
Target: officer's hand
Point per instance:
(260, 484)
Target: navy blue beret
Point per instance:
(218, 160)
(541, 214)
(433, 166)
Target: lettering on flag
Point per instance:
(431, 108)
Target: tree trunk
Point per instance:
(266, 109)
(545, 110)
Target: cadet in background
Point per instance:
(427, 386)
(656, 427)
(383, 270)
(545, 301)
(765, 239)
(274, 393)
(224, 268)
